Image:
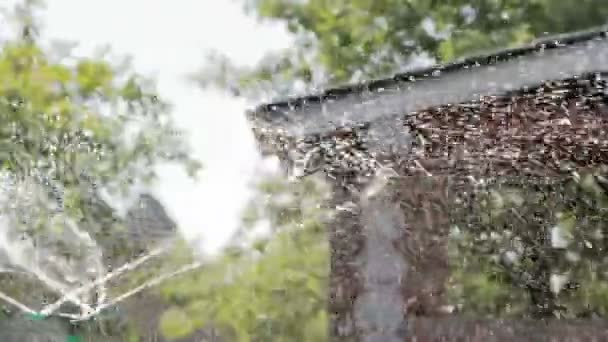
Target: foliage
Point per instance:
(79, 132)
(269, 288)
(349, 41)
(533, 250)
(175, 323)
(81, 127)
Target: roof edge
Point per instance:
(487, 59)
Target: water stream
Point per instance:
(60, 256)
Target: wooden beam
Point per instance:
(386, 261)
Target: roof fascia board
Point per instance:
(452, 85)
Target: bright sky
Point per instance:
(168, 39)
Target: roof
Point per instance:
(553, 58)
(550, 130)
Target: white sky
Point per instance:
(168, 39)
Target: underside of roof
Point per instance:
(540, 110)
(548, 131)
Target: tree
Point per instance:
(350, 41)
(266, 288)
(76, 133)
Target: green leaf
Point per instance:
(174, 323)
